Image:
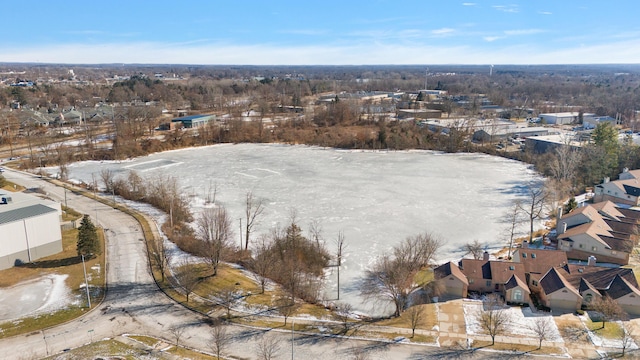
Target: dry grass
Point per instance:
(529, 349)
(147, 340)
(572, 329)
(183, 353)
(10, 186)
(404, 321)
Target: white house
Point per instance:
(29, 228)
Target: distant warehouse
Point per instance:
(29, 228)
(193, 121)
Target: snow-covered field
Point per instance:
(520, 324)
(377, 198)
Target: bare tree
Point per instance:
(474, 248)
(534, 206)
(315, 232)
(188, 277)
(253, 209)
(542, 328)
(220, 339)
(228, 297)
(268, 348)
(392, 277)
(416, 317)
(565, 162)
(608, 309)
(342, 313)
(262, 262)
(177, 331)
(625, 340)
(107, 177)
(514, 218)
(494, 317)
(214, 228)
(160, 255)
(286, 307)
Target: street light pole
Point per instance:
(86, 282)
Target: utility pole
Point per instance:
(86, 283)
(240, 233)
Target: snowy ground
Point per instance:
(521, 320)
(43, 295)
(377, 198)
(605, 342)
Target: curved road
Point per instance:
(134, 304)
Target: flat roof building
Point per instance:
(29, 228)
(194, 121)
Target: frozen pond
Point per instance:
(376, 198)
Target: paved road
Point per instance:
(133, 304)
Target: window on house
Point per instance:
(581, 246)
(594, 248)
(534, 283)
(564, 291)
(451, 278)
(533, 256)
(588, 298)
(488, 283)
(512, 267)
(470, 281)
(524, 255)
(632, 295)
(517, 295)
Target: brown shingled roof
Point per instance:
(516, 281)
(447, 269)
(620, 287)
(539, 261)
(553, 281)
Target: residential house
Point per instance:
(572, 286)
(537, 262)
(625, 190)
(454, 284)
(602, 230)
(495, 276)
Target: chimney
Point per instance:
(559, 216)
(591, 261)
(561, 228)
(625, 170)
(525, 244)
(606, 180)
(485, 256)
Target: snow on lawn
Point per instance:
(46, 294)
(607, 342)
(522, 320)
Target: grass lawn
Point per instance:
(611, 330)
(430, 319)
(9, 186)
(66, 262)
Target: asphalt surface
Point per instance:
(134, 304)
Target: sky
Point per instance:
(328, 32)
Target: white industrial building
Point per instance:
(29, 228)
(564, 118)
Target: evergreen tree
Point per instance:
(88, 244)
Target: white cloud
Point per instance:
(468, 4)
(491, 38)
(523, 32)
(545, 13)
(507, 8)
(442, 31)
(627, 51)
